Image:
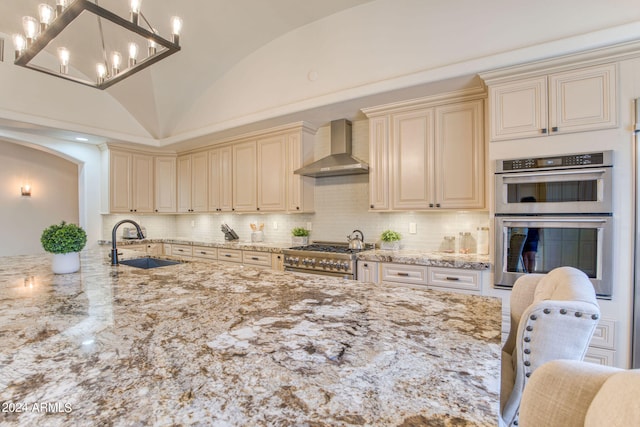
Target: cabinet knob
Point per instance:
(297, 208)
(233, 209)
(371, 206)
(257, 209)
(156, 210)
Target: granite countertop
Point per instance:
(208, 344)
(429, 258)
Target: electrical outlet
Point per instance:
(309, 227)
(413, 228)
(275, 225)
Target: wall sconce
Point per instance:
(26, 190)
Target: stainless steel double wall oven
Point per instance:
(552, 212)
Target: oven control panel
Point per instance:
(568, 161)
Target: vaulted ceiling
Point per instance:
(255, 63)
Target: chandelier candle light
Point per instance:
(38, 35)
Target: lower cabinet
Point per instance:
(602, 346)
(367, 271)
(146, 248)
(181, 251)
(256, 259)
(438, 278)
(277, 262)
(203, 253)
(230, 255)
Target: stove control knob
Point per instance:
(295, 260)
(322, 263)
(312, 262)
(345, 266)
(287, 259)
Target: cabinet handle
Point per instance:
(371, 206)
(430, 205)
(366, 265)
(543, 130)
(452, 279)
(403, 274)
(554, 129)
(255, 258)
(227, 255)
(203, 252)
(437, 205)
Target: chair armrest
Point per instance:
(521, 297)
(559, 393)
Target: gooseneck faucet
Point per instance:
(114, 250)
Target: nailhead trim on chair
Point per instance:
(563, 311)
(578, 314)
(594, 316)
(533, 317)
(546, 311)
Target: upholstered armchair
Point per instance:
(570, 393)
(553, 316)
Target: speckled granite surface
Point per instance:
(206, 344)
(435, 259)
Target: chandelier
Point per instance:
(69, 30)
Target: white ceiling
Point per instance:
(250, 64)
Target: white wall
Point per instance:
(54, 196)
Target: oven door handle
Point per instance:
(537, 219)
(585, 172)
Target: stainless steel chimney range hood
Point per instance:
(340, 161)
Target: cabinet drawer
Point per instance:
(256, 258)
(404, 273)
(600, 356)
(604, 335)
(205, 252)
(454, 278)
(230, 255)
(181, 250)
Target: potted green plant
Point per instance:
(64, 241)
(300, 236)
(390, 240)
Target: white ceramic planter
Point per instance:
(300, 240)
(390, 246)
(65, 263)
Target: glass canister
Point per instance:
(465, 242)
(449, 244)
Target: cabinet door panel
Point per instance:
(120, 182)
(184, 184)
(459, 156)
(582, 100)
(142, 184)
(165, 194)
(519, 109)
(412, 160)
(214, 180)
(199, 181)
(379, 163)
(244, 177)
(271, 174)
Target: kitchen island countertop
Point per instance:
(206, 344)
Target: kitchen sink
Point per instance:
(148, 262)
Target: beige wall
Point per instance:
(54, 196)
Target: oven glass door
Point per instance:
(540, 244)
(550, 192)
(320, 272)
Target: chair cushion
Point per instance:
(565, 284)
(617, 402)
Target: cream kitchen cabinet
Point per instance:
(271, 170)
(204, 253)
(379, 163)
(436, 159)
(220, 180)
(574, 100)
(245, 177)
(300, 189)
(368, 271)
(256, 259)
(131, 182)
(193, 182)
(165, 184)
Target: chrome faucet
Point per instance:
(114, 250)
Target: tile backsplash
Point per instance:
(341, 206)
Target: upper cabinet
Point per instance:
(427, 155)
(245, 177)
(220, 179)
(574, 100)
(271, 162)
(193, 182)
(165, 184)
(131, 182)
(300, 189)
